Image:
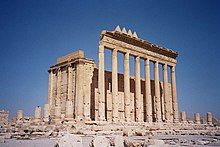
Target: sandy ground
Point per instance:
(170, 140)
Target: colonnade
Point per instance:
(170, 115)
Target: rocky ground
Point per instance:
(103, 134)
(69, 140)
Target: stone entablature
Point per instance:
(126, 43)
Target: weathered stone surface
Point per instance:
(100, 141)
(128, 132)
(118, 141)
(70, 140)
(158, 143)
(2, 139)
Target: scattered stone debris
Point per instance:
(70, 140)
(100, 141)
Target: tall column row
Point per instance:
(159, 99)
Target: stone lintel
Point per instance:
(72, 61)
(137, 46)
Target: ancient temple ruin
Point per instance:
(89, 106)
(81, 91)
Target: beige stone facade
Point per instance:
(81, 91)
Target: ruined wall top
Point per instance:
(132, 39)
(75, 55)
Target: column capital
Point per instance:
(101, 48)
(114, 52)
(137, 58)
(58, 69)
(50, 70)
(173, 69)
(156, 63)
(165, 66)
(127, 53)
(147, 62)
(69, 65)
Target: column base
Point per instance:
(176, 120)
(56, 120)
(36, 120)
(69, 118)
(159, 121)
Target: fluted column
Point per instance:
(174, 95)
(157, 92)
(139, 106)
(148, 92)
(166, 94)
(114, 86)
(127, 87)
(101, 84)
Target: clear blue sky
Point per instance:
(34, 33)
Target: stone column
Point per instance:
(46, 112)
(139, 105)
(50, 87)
(209, 118)
(183, 117)
(88, 74)
(20, 115)
(57, 112)
(101, 84)
(58, 98)
(166, 94)
(197, 118)
(70, 83)
(69, 110)
(148, 92)
(127, 87)
(57, 109)
(174, 94)
(157, 92)
(79, 91)
(114, 86)
(69, 102)
(37, 113)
